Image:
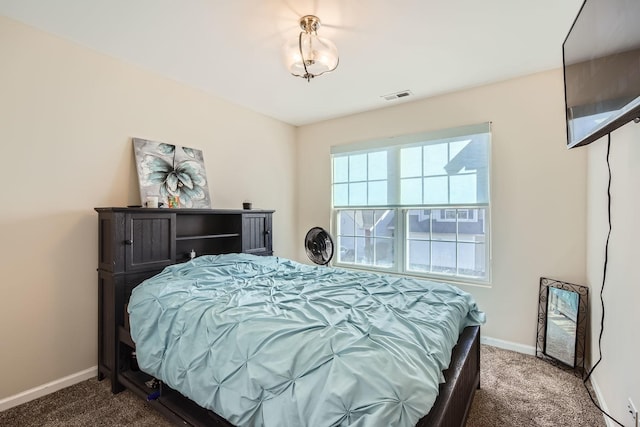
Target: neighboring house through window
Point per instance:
(416, 205)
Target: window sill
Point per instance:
(455, 281)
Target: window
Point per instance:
(417, 205)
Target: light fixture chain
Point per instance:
(307, 75)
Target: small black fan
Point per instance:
(319, 246)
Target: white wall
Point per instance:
(538, 186)
(618, 375)
(66, 118)
(67, 115)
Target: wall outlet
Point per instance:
(633, 412)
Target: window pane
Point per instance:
(471, 259)
(466, 257)
(472, 229)
(410, 162)
(364, 222)
(341, 194)
(378, 165)
(419, 224)
(346, 223)
(419, 255)
(377, 193)
(364, 250)
(463, 189)
(341, 169)
(436, 190)
(411, 191)
(346, 247)
(385, 223)
(443, 257)
(443, 228)
(435, 159)
(358, 167)
(383, 252)
(358, 194)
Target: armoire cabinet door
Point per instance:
(150, 240)
(256, 234)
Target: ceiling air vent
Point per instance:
(397, 95)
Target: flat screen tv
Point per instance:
(601, 58)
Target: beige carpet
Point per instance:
(522, 390)
(517, 390)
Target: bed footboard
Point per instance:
(462, 380)
(450, 409)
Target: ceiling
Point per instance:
(233, 49)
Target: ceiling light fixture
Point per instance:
(309, 55)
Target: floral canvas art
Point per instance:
(167, 171)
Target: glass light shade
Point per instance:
(318, 54)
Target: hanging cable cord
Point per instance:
(604, 278)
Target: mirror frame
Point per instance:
(581, 324)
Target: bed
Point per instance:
(266, 341)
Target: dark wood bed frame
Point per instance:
(128, 255)
(450, 409)
(462, 380)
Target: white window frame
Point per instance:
(401, 238)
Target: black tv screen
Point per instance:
(601, 57)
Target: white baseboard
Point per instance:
(508, 345)
(601, 401)
(43, 390)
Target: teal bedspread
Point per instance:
(268, 341)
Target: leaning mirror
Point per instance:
(562, 324)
